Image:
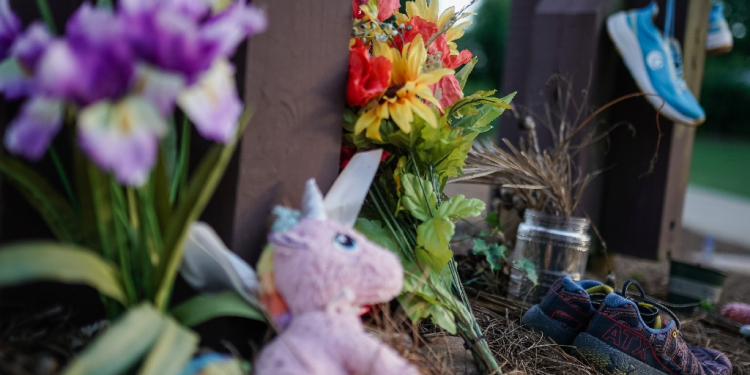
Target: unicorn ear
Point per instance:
(312, 202)
(345, 199)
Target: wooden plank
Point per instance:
(696, 28)
(295, 79)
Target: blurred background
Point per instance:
(721, 158)
(717, 203)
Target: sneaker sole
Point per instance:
(625, 40)
(719, 42)
(608, 360)
(536, 320)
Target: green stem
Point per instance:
(104, 4)
(421, 183)
(121, 225)
(47, 15)
(404, 250)
(180, 174)
(64, 177)
(409, 245)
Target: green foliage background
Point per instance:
(725, 94)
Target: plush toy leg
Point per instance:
(368, 355)
(277, 359)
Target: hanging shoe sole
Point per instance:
(626, 43)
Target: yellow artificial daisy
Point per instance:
(409, 88)
(430, 12)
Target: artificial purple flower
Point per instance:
(169, 40)
(122, 137)
(172, 38)
(195, 9)
(159, 87)
(31, 132)
(31, 45)
(17, 71)
(94, 61)
(212, 103)
(10, 28)
(229, 28)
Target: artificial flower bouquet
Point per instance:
(404, 95)
(115, 86)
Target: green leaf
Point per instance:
(481, 121)
(200, 189)
(418, 197)
(36, 261)
(527, 266)
(443, 317)
(463, 74)
(493, 220)
(433, 238)
(460, 207)
(203, 308)
(122, 345)
(172, 351)
(375, 232)
(50, 204)
(493, 253)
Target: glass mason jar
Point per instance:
(556, 245)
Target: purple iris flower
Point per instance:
(31, 132)
(94, 61)
(16, 72)
(10, 28)
(122, 137)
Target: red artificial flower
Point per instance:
(450, 61)
(347, 153)
(386, 8)
(450, 90)
(416, 26)
(357, 13)
(368, 76)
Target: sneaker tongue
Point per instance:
(650, 315)
(598, 293)
(600, 289)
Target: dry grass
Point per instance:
(546, 179)
(396, 330)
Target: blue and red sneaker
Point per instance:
(566, 310)
(620, 341)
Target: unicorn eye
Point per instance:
(345, 242)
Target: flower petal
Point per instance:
(229, 28)
(15, 82)
(32, 131)
(425, 112)
(159, 87)
(401, 114)
(122, 137)
(10, 27)
(212, 103)
(366, 120)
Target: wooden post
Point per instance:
(694, 42)
(642, 212)
(295, 77)
(563, 37)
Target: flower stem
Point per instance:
(178, 178)
(46, 15)
(63, 176)
(121, 226)
(104, 4)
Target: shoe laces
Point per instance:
(674, 46)
(649, 315)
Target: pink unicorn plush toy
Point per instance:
(326, 271)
